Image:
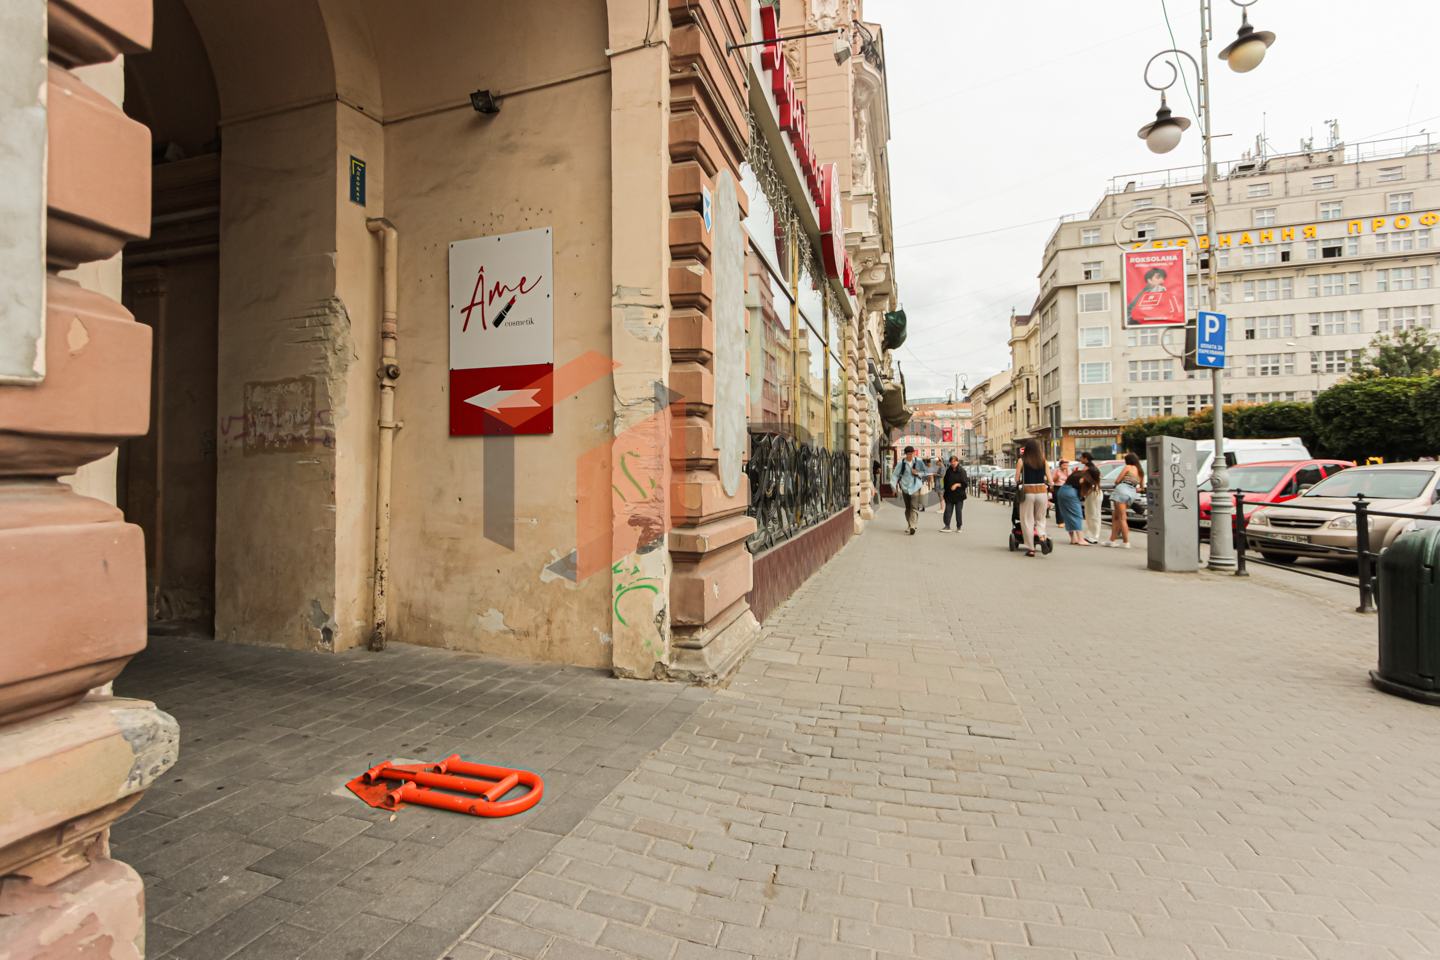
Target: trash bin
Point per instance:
(1409, 606)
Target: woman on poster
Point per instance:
(1155, 303)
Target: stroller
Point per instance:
(1017, 535)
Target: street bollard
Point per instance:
(1239, 521)
(1362, 554)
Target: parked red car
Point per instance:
(1272, 482)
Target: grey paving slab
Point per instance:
(943, 750)
(248, 852)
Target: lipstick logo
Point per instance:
(481, 298)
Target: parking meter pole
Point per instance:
(1222, 547)
(1362, 555)
(1240, 544)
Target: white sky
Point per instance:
(1007, 113)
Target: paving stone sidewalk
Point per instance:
(251, 848)
(945, 750)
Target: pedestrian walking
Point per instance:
(1128, 487)
(1092, 496)
(908, 478)
(1034, 495)
(1067, 506)
(955, 484)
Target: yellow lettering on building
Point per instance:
(1223, 240)
(1204, 243)
(1377, 223)
(1245, 238)
(1430, 219)
(1158, 245)
(1266, 236)
(1287, 234)
(1308, 233)
(1138, 245)
(1355, 226)
(1402, 223)
(1183, 242)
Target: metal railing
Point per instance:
(793, 486)
(1363, 556)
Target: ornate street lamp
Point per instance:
(1162, 135)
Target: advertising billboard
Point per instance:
(1154, 288)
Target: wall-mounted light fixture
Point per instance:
(485, 102)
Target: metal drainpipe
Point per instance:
(388, 373)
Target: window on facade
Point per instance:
(1270, 364)
(1332, 209)
(1322, 183)
(1333, 361)
(1198, 196)
(1196, 402)
(1145, 231)
(1404, 318)
(1391, 173)
(1095, 408)
(1224, 293)
(1279, 288)
(1151, 406)
(1402, 278)
(1094, 337)
(1401, 202)
(1335, 284)
(1092, 270)
(1270, 328)
(1265, 217)
(1095, 301)
(1202, 225)
(1095, 372)
(1340, 321)
(1146, 337)
(1269, 253)
(1398, 241)
(1090, 238)
(1259, 190)
(1142, 202)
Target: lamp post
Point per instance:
(1162, 135)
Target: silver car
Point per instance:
(1283, 534)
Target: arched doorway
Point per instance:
(166, 480)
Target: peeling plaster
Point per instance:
(154, 739)
(632, 304)
(492, 622)
(564, 568)
(326, 624)
(604, 637)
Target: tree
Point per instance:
(1372, 417)
(1403, 353)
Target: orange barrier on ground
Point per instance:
(392, 785)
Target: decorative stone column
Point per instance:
(72, 758)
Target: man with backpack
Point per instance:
(908, 478)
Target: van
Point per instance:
(1248, 451)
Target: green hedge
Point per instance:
(1396, 418)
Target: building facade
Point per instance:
(1317, 252)
(937, 428)
(242, 268)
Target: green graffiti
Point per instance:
(631, 477)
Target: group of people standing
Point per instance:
(1078, 497)
(1076, 489)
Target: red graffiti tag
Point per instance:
(497, 291)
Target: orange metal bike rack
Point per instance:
(416, 781)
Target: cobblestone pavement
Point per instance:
(941, 749)
(945, 750)
(251, 847)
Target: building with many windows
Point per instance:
(1317, 252)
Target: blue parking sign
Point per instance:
(1210, 340)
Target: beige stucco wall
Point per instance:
(544, 160)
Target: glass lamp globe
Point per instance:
(1164, 137)
(1247, 56)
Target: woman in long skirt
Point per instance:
(1067, 504)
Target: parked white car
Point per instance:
(1249, 451)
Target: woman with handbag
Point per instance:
(1093, 497)
(1128, 487)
